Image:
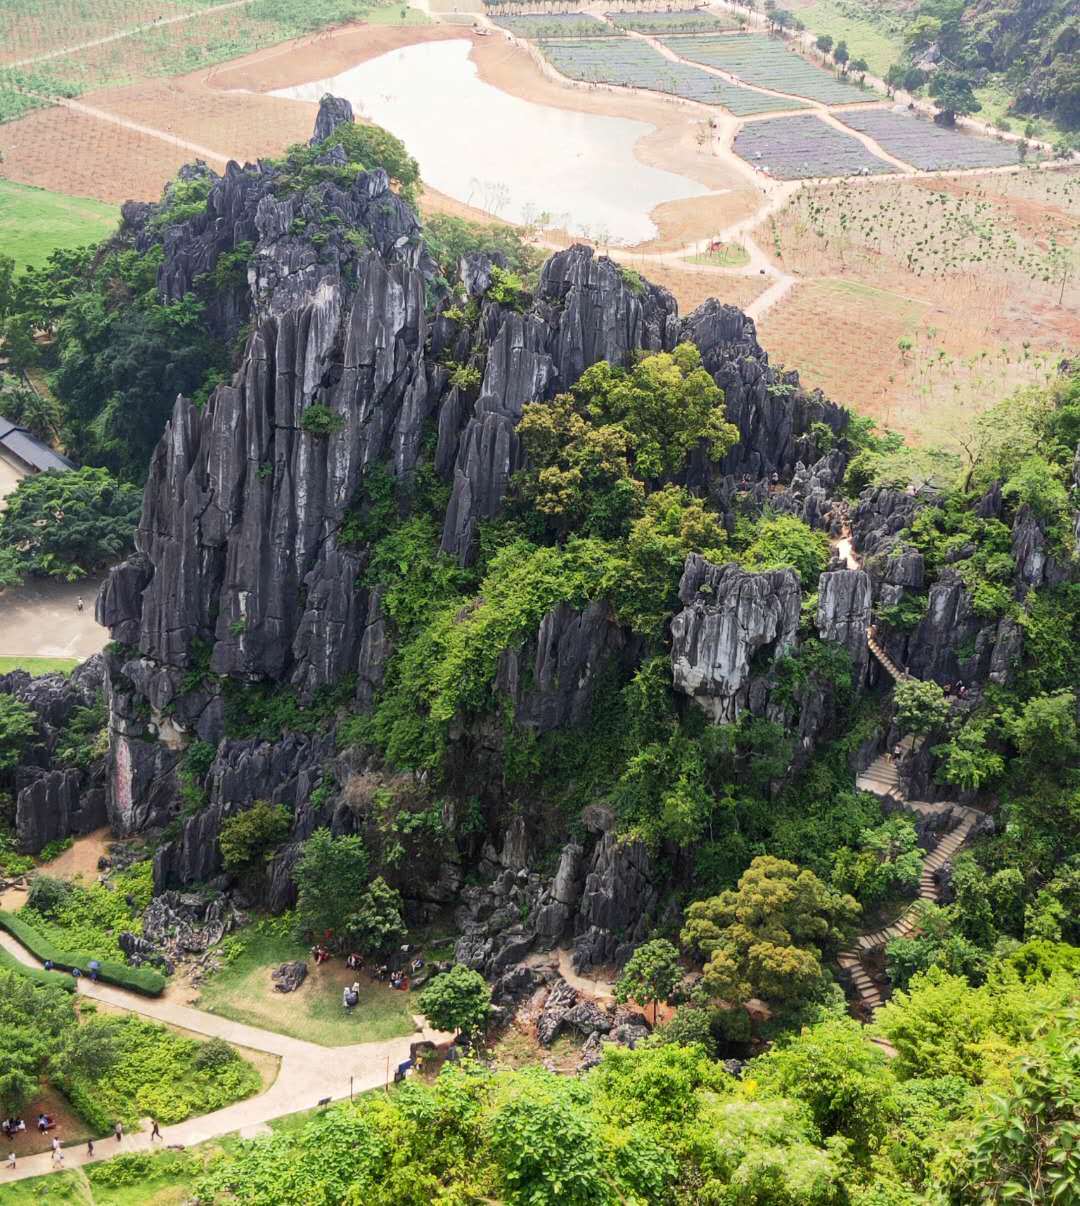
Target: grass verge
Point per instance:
(35, 222)
(10, 963)
(137, 979)
(36, 666)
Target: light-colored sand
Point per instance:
(41, 619)
(10, 476)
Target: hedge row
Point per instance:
(9, 963)
(138, 979)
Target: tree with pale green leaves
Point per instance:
(650, 974)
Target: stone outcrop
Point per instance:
(729, 618)
(289, 976)
(53, 798)
(551, 678)
(772, 413)
(844, 614)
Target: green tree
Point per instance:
(248, 838)
(767, 937)
(840, 1074)
(651, 974)
(374, 147)
(786, 540)
(954, 96)
(921, 706)
(331, 875)
(376, 921)
(1045, 731)
(18, 724)
(22, 404)
(91, 1050)
(824, 43)
(1023, 1144)
(841, 55)
(34, 1022)
(546, 1145)
(593, 452)
(65, 525)
(457, 1000)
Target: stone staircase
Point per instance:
(882, 778)
(891, 668)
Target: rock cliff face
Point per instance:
(248, 571)
(730, 618)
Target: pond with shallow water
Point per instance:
(511, 157)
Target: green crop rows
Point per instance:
(796, 148)
(633, 63)
(685, 21)
(929, 147)
(556, 25)
(766, 62)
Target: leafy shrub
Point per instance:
(139, 979)
(320, 421)
(215, 1053)
(154, 1075)
(248, 838)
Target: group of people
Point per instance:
(45, 1122)
(957, 690)
(319, 953)
(93, 969)
(350, 996)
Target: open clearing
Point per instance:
(555, 25)
(975, 274)
(768, 63)
(244, 992)
(34, 223)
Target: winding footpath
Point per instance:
(957, 825)
(308, 1075)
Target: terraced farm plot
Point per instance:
(689, 21)
(763, 61)
(929, 147)
(556, 25)
(798, 148)
(633, 63)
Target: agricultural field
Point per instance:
(979, 277)
(34, 223)
(767, 63)
(632, 63)
(685, 21)
(804, 147)
(926, 146)
(54, 66)
(911, 366)
(555, 25)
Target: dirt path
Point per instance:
(41, 619)
(309, 1073)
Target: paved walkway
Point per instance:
(882, 779)
(309, 1074)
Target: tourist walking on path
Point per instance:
(11, 1160)
(118, 1131)
(155, 1132)
(57, 1151)
(90, 1149)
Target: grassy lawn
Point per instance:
(34, 222)
(731, 255)
(395, 14)
(38, 665)
(865, 40)
(244, 992)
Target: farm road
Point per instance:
(308, 1073)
